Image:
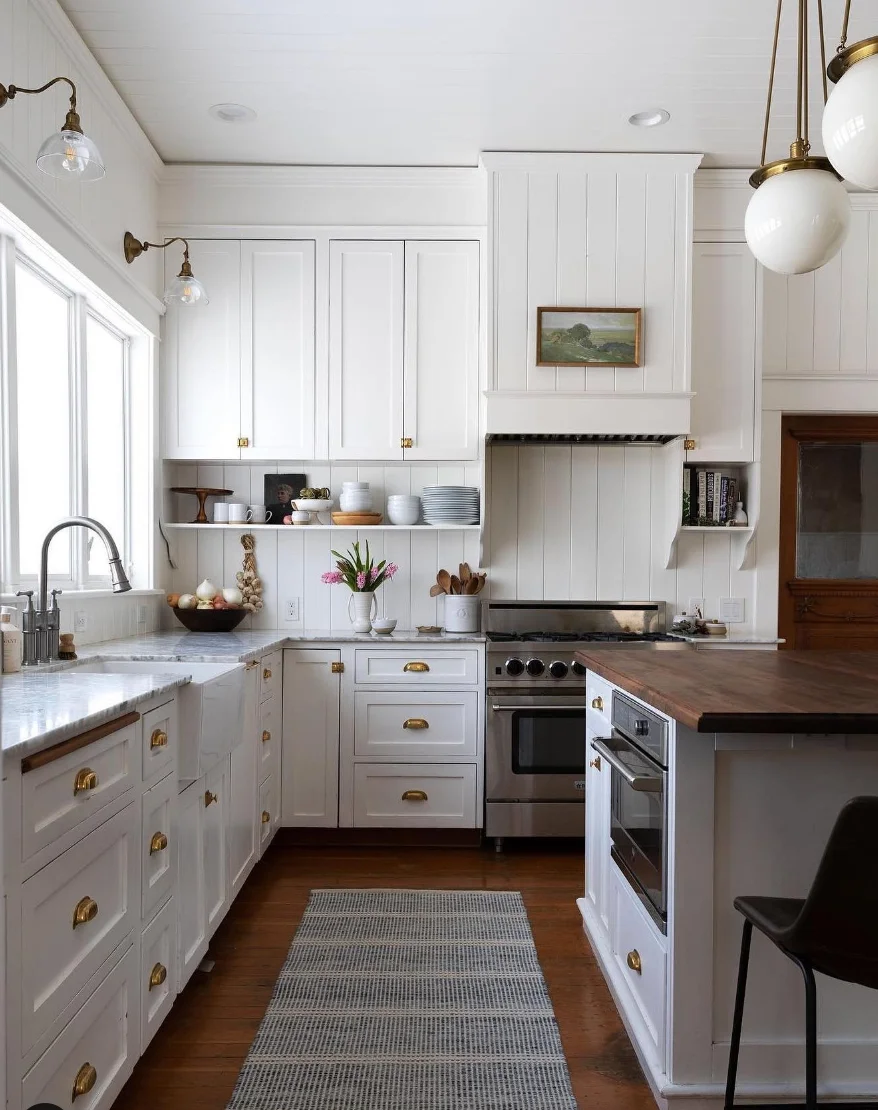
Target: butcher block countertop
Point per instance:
(750, 691)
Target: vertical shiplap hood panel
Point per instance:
(599, 231)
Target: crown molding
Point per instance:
(585, 162)
(208, 175)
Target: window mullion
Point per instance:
(9, 558)
(78, 439)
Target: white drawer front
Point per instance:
(60, 794)
(417, 665)
(160, 741)
(158, 844)
(269, 738)
(269, 813)
(158, 971)
(639, 951)
(58, 959)
(270, 674)
(102, 1036)
(417, 726)
(397, 795)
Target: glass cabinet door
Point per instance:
(837, 518)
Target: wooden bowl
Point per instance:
(210, 620)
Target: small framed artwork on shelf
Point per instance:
(589, 336)
(280, 492)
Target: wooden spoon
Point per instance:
(471, 586)
(465, 573)
(481, 583)
(443, 579)
(455, 584)
(436, 590)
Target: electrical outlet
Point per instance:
(695, 603)
(731, 610)
(293, 609)
(141, 614)
(80, 621)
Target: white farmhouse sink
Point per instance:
(211, 706)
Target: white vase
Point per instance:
(362, 601)
(740, 516)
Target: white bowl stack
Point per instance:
(356, 497)
(403, 508)
(450, 505)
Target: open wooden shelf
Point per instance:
(250, 527)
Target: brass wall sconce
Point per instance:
(68, 153)
(185, 287)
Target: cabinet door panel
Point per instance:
(310, 738)
(723, 352)
(366, 305)
(215, 800)
(201, 358)
(191, 920)
(243, 784)
(441, 409)
(277, 350)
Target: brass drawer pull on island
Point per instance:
(416, 722)
(416, 668)
(633, 961)
(159, 739)
(85, 780)
(252, 665)
(266, 817)
(157, 976)
(337, 668)
(158, 843)
(266, 736)
(415, 796)
(85, 1079)
(86, 910)
(209, 798)
(597, 703)
(266, 674)
(596, 763)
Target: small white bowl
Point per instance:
(309, 505)
(383, 626)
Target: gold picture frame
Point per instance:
(605, 336)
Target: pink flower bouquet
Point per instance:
(358, 571)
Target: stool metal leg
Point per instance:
(738, 1020)
(810, 1033)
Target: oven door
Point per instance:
(535, 748)
(638, 820)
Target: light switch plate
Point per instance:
(80, 621)
(731, 610)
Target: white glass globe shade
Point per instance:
(850, 124)
(70, 154)
(185, 290)
(796, 221)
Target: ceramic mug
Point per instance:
(259, 514)
(221, 512)
(237, 513)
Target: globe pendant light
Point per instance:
(798, 217)
(185, 288)
(68, 154)
(850, 118)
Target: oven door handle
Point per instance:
(647, 784)
(511, 708)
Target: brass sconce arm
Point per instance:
(134, 248)
(71, 123)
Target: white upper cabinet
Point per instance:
(441, 367)
(201, 357)
(724, 352)
(277, 350)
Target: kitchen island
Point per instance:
(761, 751)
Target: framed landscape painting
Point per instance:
(588, 336)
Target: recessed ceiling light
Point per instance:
(655, 117)
(232, 113)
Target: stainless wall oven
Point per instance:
(637, 754)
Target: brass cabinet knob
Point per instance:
(266, 817)
(266, 674)
(406, 441)
(85, 780)
(159, 739)
(266, 736)
(86, 910)
(209, 798)
(596, 763)
(416, 668)
(243, 441)
(157, 976)
(337, 668)
(158, 843)
(416, 722)
(633, 961)
(597, 703)
(414, 796)
(85, 1079)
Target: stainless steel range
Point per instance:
(535, 718)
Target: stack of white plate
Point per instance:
(450, 504)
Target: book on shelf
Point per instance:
(710, 496)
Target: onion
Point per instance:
(232, 595)
(206, 591)
(187, 601)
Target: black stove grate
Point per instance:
(579, 637)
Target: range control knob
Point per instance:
(579, 668)
(535, 667)
(558, 669)
(641, 727)
(514, 667)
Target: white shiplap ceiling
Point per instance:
(433, 82)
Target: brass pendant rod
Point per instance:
(822, 49)
(799, 75)
(844, 26)
(771, 82)
(805, 98)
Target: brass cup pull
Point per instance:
(209, 798)
(85, 1079)
(633, 961)
(416, 722)
(85, 780)
(266, 674)
(596, 763)
(157, 976)
(266, 736)
(597, 703)
(158, 843)
(266, 817)
(86, 910)
(159, 739)
(415, 796)
(416, 668)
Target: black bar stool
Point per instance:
(832, 931)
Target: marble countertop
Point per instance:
(729, 638)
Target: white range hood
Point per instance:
(569, 414)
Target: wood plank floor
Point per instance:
(195, 1057)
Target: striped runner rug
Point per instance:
(408, 1000)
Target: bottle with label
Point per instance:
(12, 641)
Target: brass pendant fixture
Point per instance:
(185, 288)
(68, 154)
(798, 218)
(850, 120)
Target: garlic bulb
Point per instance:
(206, 591)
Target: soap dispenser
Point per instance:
(12, 640)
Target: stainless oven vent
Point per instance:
(546, 437)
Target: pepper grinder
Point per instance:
(53, 626)
(28, 630)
